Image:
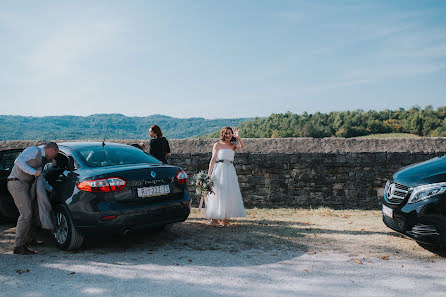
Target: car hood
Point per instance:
(427, 172)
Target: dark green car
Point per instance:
(106, 188)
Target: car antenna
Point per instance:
(105, 135)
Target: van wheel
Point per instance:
(67, 236)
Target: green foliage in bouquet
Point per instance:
(203, 183)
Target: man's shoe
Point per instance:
(23, 250)
(34, 242)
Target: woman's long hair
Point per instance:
(157, 131)
(223, 135)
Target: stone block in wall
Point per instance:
(257, 199)
(254, 179)
(365, 159)
(337, 186)
(256, 159)
(365, 174)
(260, 191)
(340, 158)
(380, 158)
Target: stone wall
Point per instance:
(307, 172)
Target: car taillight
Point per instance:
(111, 184)
(108, 218)
(181, 177)
(116, 184)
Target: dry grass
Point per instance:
(358, 233)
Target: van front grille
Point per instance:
(395, 192)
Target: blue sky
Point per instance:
(219, 59)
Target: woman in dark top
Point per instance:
(159, 146)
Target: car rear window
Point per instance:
(111, 156)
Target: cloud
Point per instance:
(329, 86)
(436, 51)
(385, 72)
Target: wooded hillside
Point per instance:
(418, 121)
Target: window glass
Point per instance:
(111, 156)
(7, 159)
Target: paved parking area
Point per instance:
(193, 259)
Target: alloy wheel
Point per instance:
(61, 233)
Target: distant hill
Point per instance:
(414, 121)
(110, 126)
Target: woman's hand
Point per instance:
(236, 133)
(142, 145)
(237, 136)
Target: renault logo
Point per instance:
(153, 174)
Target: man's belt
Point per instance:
(12, 178)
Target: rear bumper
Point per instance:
(136, 221)
(131, 217)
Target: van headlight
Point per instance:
(426, 191)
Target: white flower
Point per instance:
(203, 183)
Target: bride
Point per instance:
(226, 201)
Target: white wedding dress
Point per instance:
(226, 201)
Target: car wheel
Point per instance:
(67, 236)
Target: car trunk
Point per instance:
(146, 183)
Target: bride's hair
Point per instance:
(223, 135)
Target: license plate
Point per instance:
(388, 211)
(153, 191)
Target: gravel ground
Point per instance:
(282, 252)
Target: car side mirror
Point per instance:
(70, 164)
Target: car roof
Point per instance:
(86, 144)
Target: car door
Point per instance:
(64, 177)
(8, 210)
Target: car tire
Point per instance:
(67, 236)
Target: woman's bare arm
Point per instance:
(213, 159)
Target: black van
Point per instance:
(414, 201)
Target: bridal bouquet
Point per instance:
(203, 183)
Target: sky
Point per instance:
(220, 59)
